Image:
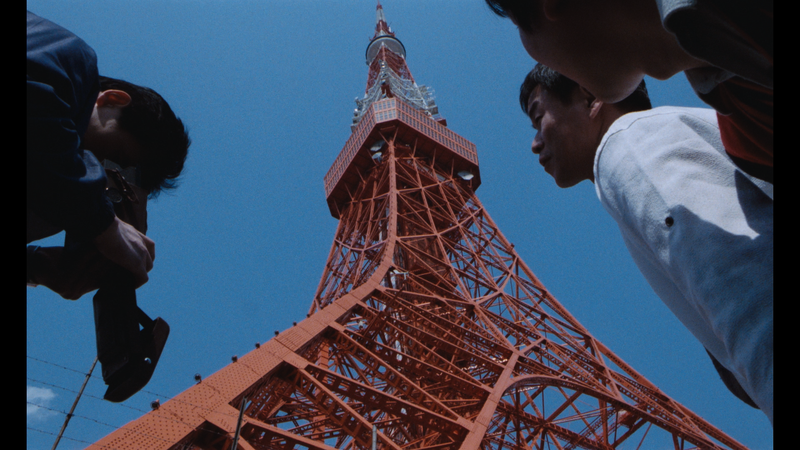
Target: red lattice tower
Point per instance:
(427, 326)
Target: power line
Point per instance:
(88, 395)
(120, 404)
(126, 406)
(57, 365)
(79, 440)
(74, 415)
(168, 398)
(65, 437)
(74, 404)
(95, 421)
(103, 400)
(223, 434)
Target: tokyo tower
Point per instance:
(427, 330)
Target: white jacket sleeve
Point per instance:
(700, 231)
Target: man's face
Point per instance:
(566, 138)
(588, 47)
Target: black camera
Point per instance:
(129, 342)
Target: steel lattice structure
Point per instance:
(426, 325)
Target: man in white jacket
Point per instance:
(725, 48)
(697, 226)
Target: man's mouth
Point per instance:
(543, 159)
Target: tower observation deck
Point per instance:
(394, 104)
(427, 330)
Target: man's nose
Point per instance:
(537, 145)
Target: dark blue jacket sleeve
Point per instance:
(65, 184)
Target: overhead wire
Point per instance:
(101, 379)
(65, 437)
(90, 419)
(87, 395)
(82, 441)
(223, 434)
(130, 407)
(114, 427)
(120, 404)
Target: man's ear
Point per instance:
(591, 102)
(594, 108)
(552, 9)
(113, 97)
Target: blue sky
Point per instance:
(266, 89)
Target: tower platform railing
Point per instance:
(387, 110)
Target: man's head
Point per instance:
(134, 126)
(570, 122)
(605, 46)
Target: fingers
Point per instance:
(127, 247)
(150, 255)
(71, 274)
(72, 295)
(151, 250)
(141, 280)
(145, 251)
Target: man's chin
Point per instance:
(616, 92)
(564, 184)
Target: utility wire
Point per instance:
(88, 395)
(109, 425)
(96, 421)
(82, 441)
(65, 437)
(168, 398)
(57, 365)
(127, 406)
(74, 404)
(74, 415)
(120, 404)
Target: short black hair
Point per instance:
(523, 11)
(562, 87)
(152, 123)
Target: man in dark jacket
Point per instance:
(75, 118)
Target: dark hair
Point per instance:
(562, 87)
(523, 11)
(152, 123)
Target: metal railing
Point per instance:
(391, 109)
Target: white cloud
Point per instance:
(39, 396)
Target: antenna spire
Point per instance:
(381, 26)
(389, 75)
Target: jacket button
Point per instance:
(669, 221)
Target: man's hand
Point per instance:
(126, 246)
(72, 277)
